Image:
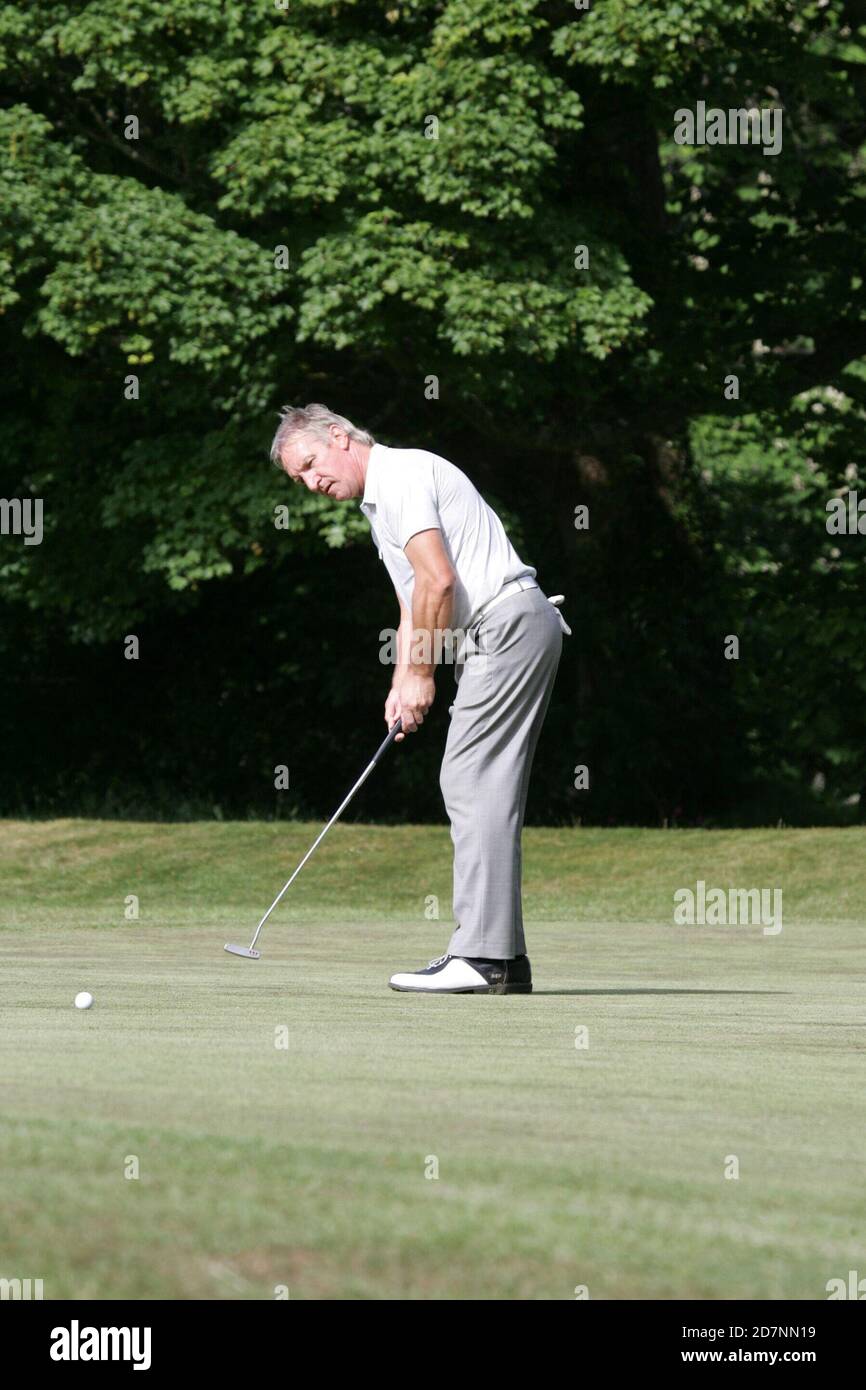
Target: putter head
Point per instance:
(247, 951)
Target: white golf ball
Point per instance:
(83, 1000)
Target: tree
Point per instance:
(236, 204)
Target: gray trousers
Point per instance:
(504, 684)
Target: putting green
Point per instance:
(287, 1117)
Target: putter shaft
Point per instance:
(392, 734)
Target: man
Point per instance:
(454, 571)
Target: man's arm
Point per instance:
(413, 688)
(432, 598)
(404, 642)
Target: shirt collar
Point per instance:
(369, 498)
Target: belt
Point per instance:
(517, 586)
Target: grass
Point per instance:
(304, 1166)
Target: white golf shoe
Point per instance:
(467, 975)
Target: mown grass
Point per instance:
(305, 1166)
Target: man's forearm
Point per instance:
(432, 611)
(404, 648)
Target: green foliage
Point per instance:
(634, 43)
(429, 171)
(795, 591)
(135, 273)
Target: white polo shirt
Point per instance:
(411, 490)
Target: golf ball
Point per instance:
(83, 1000)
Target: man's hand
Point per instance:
(409, 699)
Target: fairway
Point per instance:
(311, 1166)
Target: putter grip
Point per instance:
(392, 734)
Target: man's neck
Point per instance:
(362, 454)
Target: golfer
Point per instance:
(455, 573)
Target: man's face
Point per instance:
(327, 466)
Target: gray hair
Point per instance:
(311, 419)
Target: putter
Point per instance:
(250, 951)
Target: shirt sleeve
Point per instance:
(413, 506)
